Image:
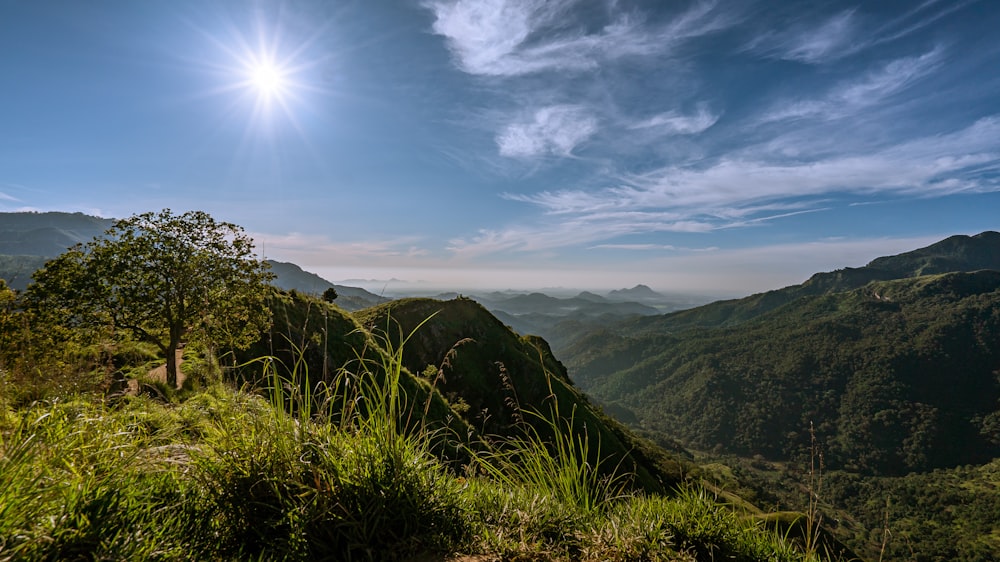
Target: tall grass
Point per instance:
(78, 482)
(558, 463)
(338, 470)
(332, 472)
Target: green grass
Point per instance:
(225, 475)
(338, 469)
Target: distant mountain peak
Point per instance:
(640, 291)
(588, 296)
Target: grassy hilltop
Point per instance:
(320, 443)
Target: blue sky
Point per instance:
(724, 147)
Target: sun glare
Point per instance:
(268, 80)
(268, 77)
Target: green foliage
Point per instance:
(328, 469)
(501, 376)
(560, 466)
(945, 514)
(321, 356)
(897, 376)
(17, 270)
(164, 279)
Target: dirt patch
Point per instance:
(160, 373)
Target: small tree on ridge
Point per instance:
(165, 279)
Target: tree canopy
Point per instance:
(163, 278)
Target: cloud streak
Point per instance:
(846, 33)
(873, 88)
(673, 122)
(736, 192)
(518, 37)
(555, 130)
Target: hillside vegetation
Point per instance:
(891, 368)
(331, 449)
(897, 376)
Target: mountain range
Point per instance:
(28, 240)
(889, 372)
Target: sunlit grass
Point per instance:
(298, 470)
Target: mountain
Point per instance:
(292, 277)
(17, 270)
(956, 253)
(898, 376)
(28, 240)
(462, 370)
(890, 370)
(839, 348)
(637, 293)
(47, 234)
(498, 375)
(588, 296)
(559, 319)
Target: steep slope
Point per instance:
(47, 234)
(314, 345)
(896, 376)
(292, 277)
(497, 377)
(956, 253)
(483, 381)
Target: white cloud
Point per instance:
(847, 98)
(737, 192)
(673, 122)
(831, 40)
(556, 129)
(636, 247)
(847, 33)
(516, 37)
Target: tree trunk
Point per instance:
(172, 365)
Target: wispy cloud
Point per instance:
(7, 196)
(847, 32)
(516, 37)
(651, 248)
(868, 90)
(573, 231)
(832, 39)
(636, 247)
(554, 130)
(740, 193)
(673, 122)
(934, 165)
(916, 19)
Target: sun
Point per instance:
(269, 75)
(268, 79)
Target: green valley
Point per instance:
(892, 369)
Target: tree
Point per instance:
(8, 298)
(163, 278)
(330, 294)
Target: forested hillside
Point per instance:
(890, 371)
